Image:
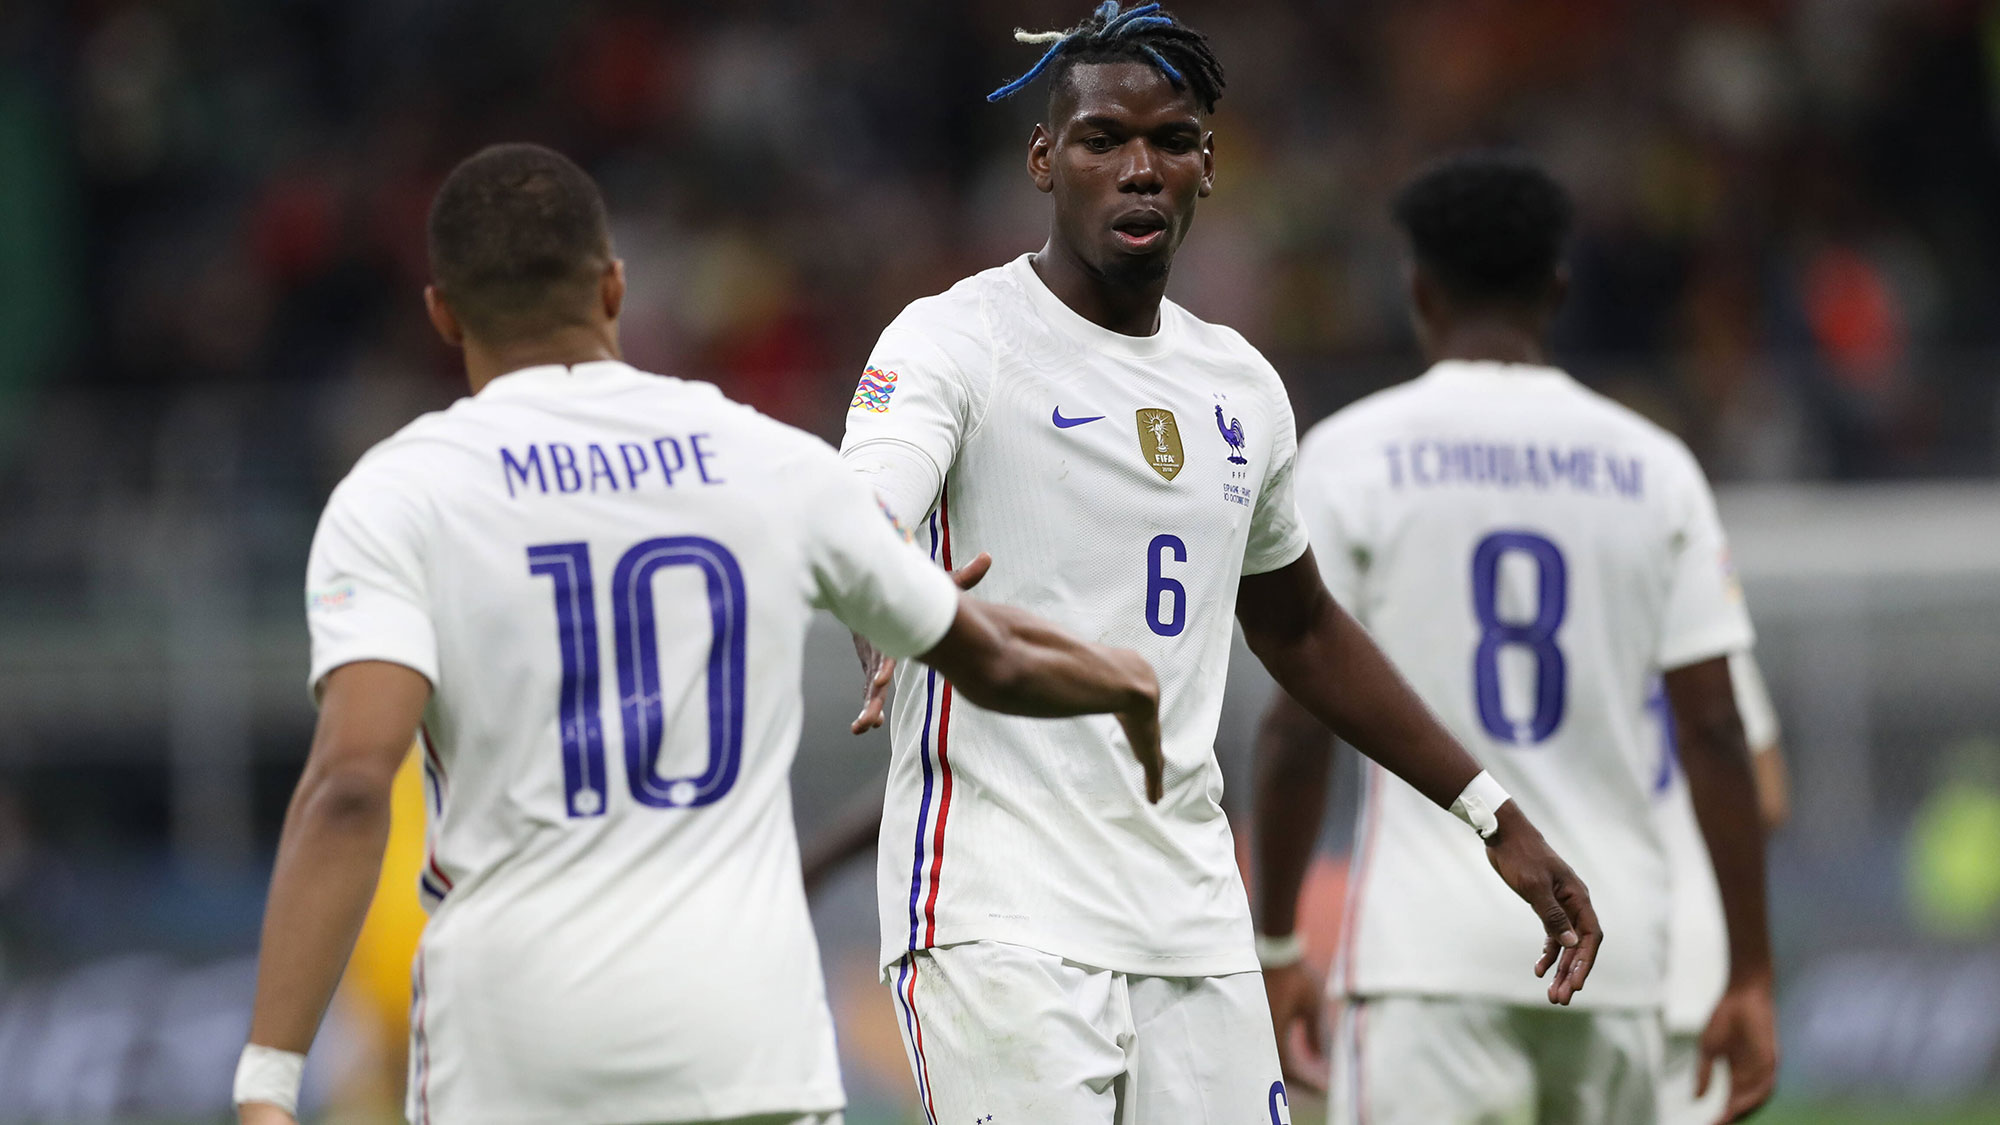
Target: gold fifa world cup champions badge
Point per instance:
(1160, 442)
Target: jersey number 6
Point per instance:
(1158, 586)
(636, 635)
(1537, 636)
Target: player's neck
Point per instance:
(1487, 341)
(565, 347)
(1130, 309)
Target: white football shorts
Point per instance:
(1430, 1060)
(1005, 1035)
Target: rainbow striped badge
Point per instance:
(874, 391)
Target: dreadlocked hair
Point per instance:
(1147, 34)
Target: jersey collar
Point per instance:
(575, 378)
(1094, 336)
(1487, 373)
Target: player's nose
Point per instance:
(1141, 170)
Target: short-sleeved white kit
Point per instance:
(1123, 486)
(1531, 556)
(607, 577)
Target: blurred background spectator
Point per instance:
(211, 251)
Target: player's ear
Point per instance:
(1041, 167)
(442, 318)
(1207, 164)
(611, 288)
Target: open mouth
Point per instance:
(1140, 231)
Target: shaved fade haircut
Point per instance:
(1491, 227)
(518, 240)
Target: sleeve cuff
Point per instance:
(939, 610)
(326, 663)
(1279, 557)
(1720, 640)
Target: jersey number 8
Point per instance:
(1537, 636)
(579, 706)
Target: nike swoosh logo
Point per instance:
(1063, 423)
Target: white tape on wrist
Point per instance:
(1280, 952)
(1479, 805)
(266, 1074)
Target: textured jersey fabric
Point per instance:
(1123, 486)
(1531, 555)
(607, 578)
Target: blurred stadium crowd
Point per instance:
(1787, 248)
(211, 250)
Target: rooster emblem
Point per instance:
(1232, 432)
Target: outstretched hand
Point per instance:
(1535, 872)
(1743, 1032)
(878, 670)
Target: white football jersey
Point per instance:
(1697, 937)
(1123, 486)
(607, 578)
(1531, 555)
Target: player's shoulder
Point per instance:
(412, 452)
(1373, 415)
(1219, 347)
(702, 405)
(958, 321)
(1626, 426)
(1214, 338)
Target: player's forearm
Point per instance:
(1724, 793)
(852, 831)
(329, 860)
(1774, 794)
(1294, 759)
(1334, 670)
(1034, 669)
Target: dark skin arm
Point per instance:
(1326, 661)
(330, 853)
(855, 827)
(1007, 660)
(1721, 782)
(1294, 762)
(1774, 787)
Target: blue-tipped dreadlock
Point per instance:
(1148, 33)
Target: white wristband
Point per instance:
(266, 1074)
(1478, 805)
(1280, 952)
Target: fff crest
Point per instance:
(1160, 442)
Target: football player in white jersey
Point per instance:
(1059, 951)
(1531, 555)
(1697, 938)
(591, 587)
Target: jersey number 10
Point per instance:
(1537, 636)
(579, 706)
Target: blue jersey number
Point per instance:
(1158, 586)
(634, 630)
(1537, 636)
